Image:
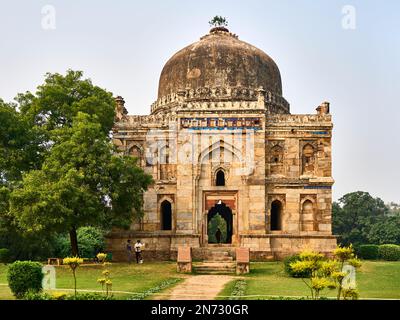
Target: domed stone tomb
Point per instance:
(227, 156)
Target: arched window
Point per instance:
(308, 159)
(276, 215)
(307, 216)
(166, 215)
(220, 178)
(276, 160)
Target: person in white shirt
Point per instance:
(138, 251)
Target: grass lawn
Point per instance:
(375, 279)
(129, 278)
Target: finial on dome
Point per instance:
(218, 23)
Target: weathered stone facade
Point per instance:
(220, 139)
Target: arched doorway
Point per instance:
(276, 215)
(166, 215)
(220, 216)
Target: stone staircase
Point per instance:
(219, 261)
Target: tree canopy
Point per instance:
(20, 148)
(73, 177)
(359, 218)
(61, 98)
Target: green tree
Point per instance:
(354, 215)
(81, 183)
(385, 231)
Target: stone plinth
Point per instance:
(184, 260)
(242, 260)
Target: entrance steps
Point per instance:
(215, 267)
(218, 260)
(218, 255)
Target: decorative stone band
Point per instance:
(220, 123)
(279, 120)
(222, 97)
(318, 187)
(156, 121)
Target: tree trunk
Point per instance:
(74, 242)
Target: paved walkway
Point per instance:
(201, 287)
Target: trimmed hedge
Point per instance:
(5, 255)
(23, 277)
(389, 252)
(368, 251)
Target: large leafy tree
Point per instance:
(58, 169)
(81, 183)
(355, 214)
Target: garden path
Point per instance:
(198, 287)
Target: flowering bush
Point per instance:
(323, 273)
(101, 257)
(73, 263)
(105, 281)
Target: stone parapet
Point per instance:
(221, 98)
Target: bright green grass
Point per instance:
(375, 279)
(227, 291)
(129, 278)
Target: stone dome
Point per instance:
(219, 59)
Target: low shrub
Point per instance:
(24, 276)
(5, 255)
(288, 269)
(89, 296)
(31, 295)
(368, 251)
(389, 252)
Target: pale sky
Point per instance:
(123, 45)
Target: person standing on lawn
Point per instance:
(138, 251)
(129, 250)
